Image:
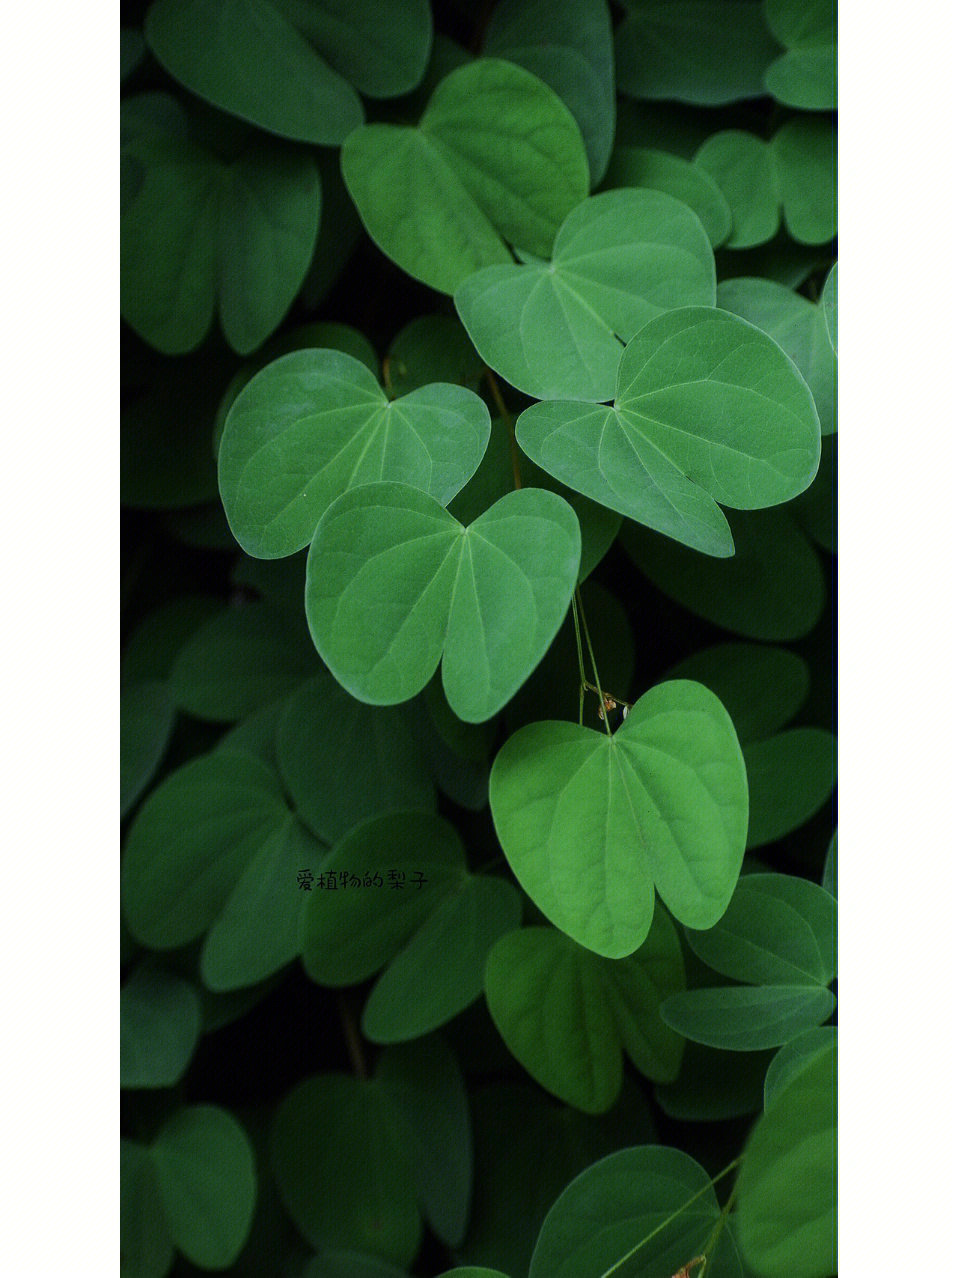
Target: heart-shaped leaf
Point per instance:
(786, 1219)
(806, 74)
(745, 1018)
(431, 923)
(555, 329)
(761, 688)
(496, 157)
(743, 168)
(798, 327)
(316, 423)
(644, 167)
(591, 823)
(533, 972)
(652, 1204)
(708, 409)
(159, 1026)
(568, 45)
(203, 231)
(394, 582)
(790, 776)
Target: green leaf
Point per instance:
(321, 729)
(432, 348)
(146, 1249)
(761, 688)
(746, 1019)
(425, 1085)
(778, 929)
(787, 1209)
(241, 660)
(215, 847)
(316, 423)
(830, 872)
(432, 938)
(743, 168)
(590, 822)
(817, 508)
(829, 305)
(707, 409)
(159, 1026)
(350, 1264)
(795, 1055)
(806, 74)
(152, 647)
(806, 154)
(568, 45)
(798, 327)
(207, 1183)
(567, 1015)
(709, 52)
(790, 776)
(132, 49)
(496, 157)
(147, 715)
(555, 329)
(772, 588)
(644, 167)
(339, 1162)
(650, 1195)
(713, 1086)
(204, 231)
(394, 582)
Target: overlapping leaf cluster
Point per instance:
(478, 464)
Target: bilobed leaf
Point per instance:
(159, 1026)
(394, 582)
(590, 823)
(649, 1193)
(790, 776)
(337, 1155)
(567, 1015)
(568, 45)
(745, 1018)
(146, 1248)
(316, 423)
(432, 348)
(661, 171)
(778, 929)
(806, 74)
(556, 329)
(496, 157)
(795, 1055)
(147, 714)
(432, 932)
(786, 1217)
(742, 167)
(708, 409)
(798, 326)
(205, 232)
(772, 588)
(708, 52)
(806, 154)
(240, 660)
(206, 1176)
(320, 727)
(760, 687)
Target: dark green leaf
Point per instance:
(743, 168)
(806, 74)
(146, 1249)
(795, 1055)
(159, 1026)
(830, 872)
(713, 1086)
(152, 647)
(147, 713)
(643, 167)
(350, 1264)
(432, 348)
(745, 1018)
(790, 776)
(805, 153)
(761, 688)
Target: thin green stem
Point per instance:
(510, 421)
(720, 1223)
(595, 668)
(578, 647)
(353, 1044)
(387, 380)
(674, 1216)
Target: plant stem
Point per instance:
(578, 646)
(353, 1044)
(387, 380)
(595, 668)
(510, 421)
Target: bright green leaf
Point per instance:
(241, 660)
(743, 168)
(567, 1015)
(556, 329)
(147, 714)
(650, 1195)
(496, 156)
(394, 582)
(432, 348)
(806, 74)
(204, 231)
(798, 327)
(590, 822)
(159, 1026)
(146, 1249)
(778, 929)
(568, 45)
(790, 776)
(772, 588)
(644, 167)
(207, 1182)
(805, 150)
(745, 1018)
(316, 423)
(761, 688)
(708, 409)
(786, 1221)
